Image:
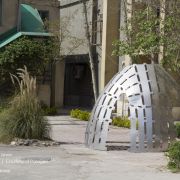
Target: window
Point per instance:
(1, 12)
(158, 12)
(44, 15)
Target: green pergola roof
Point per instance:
(31, 24)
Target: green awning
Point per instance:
(30, 19)
(31, 24)
(19, 34)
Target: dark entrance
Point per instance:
(78, 91)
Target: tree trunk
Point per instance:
(90, 51)
(161, 29)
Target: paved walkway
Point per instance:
(72, 161)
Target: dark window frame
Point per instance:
(44, 15)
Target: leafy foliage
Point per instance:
(146, 31)
(79, 114)
(174, 156)
(121, 122)
(49, 111)
(178, 129)
(34, 53)
(24, 117)
(142, 38)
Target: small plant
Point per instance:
(24, 116)
(1, 109)
(79, 114)
(174, 156)
(49, 111)
(3, 104)
(121, 122)
(75, 113)
(178, 129)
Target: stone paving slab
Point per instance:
(73, 161)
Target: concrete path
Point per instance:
(72, 161)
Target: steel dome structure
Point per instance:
(151, 93)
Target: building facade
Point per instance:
(25, 18)
(78, 89)
(72, 82)
(101, 40)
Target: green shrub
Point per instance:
(1, 109)
(79, 114)
(49, 111)
(75, 113)
(121, 122)
(174, 156)
(3, 105)
(178, 129)
(24, 116)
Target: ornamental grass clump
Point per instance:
(24, 117)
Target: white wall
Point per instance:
(74, 27)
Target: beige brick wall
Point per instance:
(9, 18)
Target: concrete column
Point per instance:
(109, 63)
(59, 83)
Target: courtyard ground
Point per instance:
(73, 161)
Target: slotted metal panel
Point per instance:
(141, 84)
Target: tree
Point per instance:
(65, 37)
(90, 50)
(150, 31)
(143, 37)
